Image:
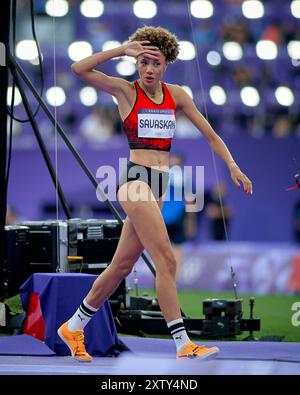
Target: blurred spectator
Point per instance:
(242, 76)
(294, 33)
(289, 31)
(213, 209)
(297, 221)
(267, 78)
(273, 32)
(181, 225)
(258, 125)
(245, 119)
(283, 126)
(97, 126)
(234, 30)
(242, 33)
(205, 34)
(294, 280)
(11, 216)
(100, 32)
(226, 31)
(297, 124)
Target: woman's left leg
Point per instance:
(127, 253)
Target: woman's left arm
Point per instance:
(188, 107)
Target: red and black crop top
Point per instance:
(150, 125)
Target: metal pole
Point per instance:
(4, 43)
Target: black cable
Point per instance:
(12, 99)
(14, 19)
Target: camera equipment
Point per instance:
(48, 246)
(95, 240)
(214, 325)
(16, 259)
(223, 318)
(51, 246)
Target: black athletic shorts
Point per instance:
(156, 179)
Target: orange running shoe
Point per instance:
(75, 342)
(192, 350)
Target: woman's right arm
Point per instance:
(85, 68)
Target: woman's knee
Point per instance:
(167, 263)
(124, 268)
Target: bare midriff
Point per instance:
(150, 158)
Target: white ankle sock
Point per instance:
(178, 332)
(82, 316)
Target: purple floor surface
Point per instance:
(129, 364)
(242, 350)
(157, 356)
(23, 345)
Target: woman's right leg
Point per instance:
(128, 251)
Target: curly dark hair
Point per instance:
(158, 36)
